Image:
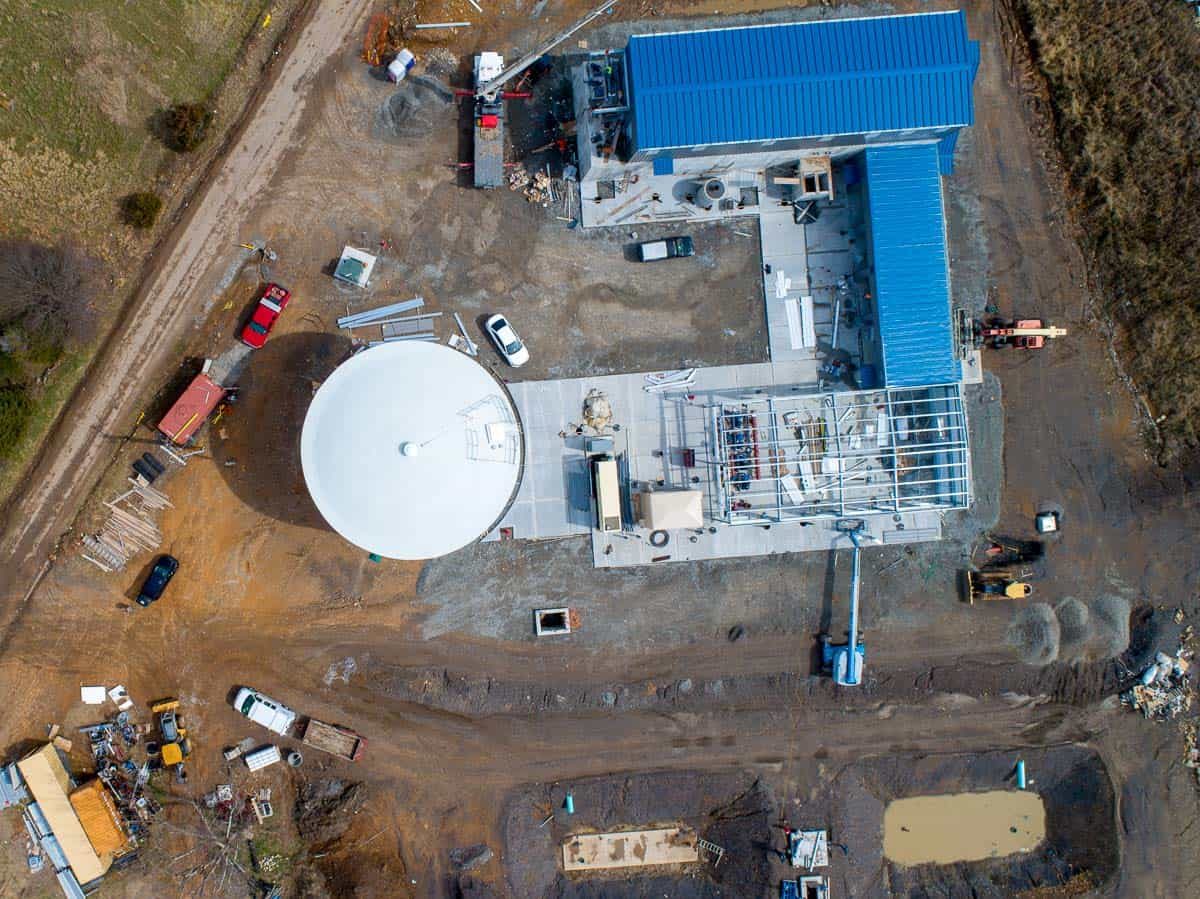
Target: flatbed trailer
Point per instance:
(489, 144)
(192, 409)
(339, 741)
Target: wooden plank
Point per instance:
(630, 849)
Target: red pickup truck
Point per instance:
(270, 305)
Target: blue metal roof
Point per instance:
(810, 79)
(912, 276)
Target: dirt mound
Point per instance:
(411, 111)
(1111, 623)
(1074, 624)
(325, 809)
(1036, 634)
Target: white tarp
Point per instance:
(664, 510)
(92, 695)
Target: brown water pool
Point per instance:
(962, 827)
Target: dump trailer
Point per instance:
(192, 409)
(339, 741)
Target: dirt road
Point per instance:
(177, 294)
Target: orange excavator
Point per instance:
(1023, 334)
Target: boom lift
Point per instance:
(846, 661)
(490, 78)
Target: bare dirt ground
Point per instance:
(472, 724)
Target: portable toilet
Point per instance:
(400, 66)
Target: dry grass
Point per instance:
(1123, 87)
(81, 82)
(83, 79)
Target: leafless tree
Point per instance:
(48, 291)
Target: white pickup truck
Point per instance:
(260, 709)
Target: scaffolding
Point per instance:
(787, 457)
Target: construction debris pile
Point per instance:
(1164, 690)
(130, 527)
(114, 743)
(228, 815)
(537, 189)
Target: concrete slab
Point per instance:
(651, 432)
(631, 849)
(722, 541)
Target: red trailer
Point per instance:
(192, 409)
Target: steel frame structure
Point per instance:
(788, 457)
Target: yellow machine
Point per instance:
(175, 743)
(996, 584)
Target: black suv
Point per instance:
(156, 582)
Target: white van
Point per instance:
(272, 715)
(607, 487)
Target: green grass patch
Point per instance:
(272, 860)
(16, 409)
(46, 401)
(85, 76)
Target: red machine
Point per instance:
(1025, 334)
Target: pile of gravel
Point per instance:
(1035, 633)
(1110, 618)
(1074, 623)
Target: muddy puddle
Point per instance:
(962, 827)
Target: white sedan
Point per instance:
(506, 340)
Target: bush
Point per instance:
(186, 126)
(15, 411)
(10, 368)
(141, 209)
(48, 292)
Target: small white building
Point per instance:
(355, 267)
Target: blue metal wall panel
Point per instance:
(774, 82)
(912, 276)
